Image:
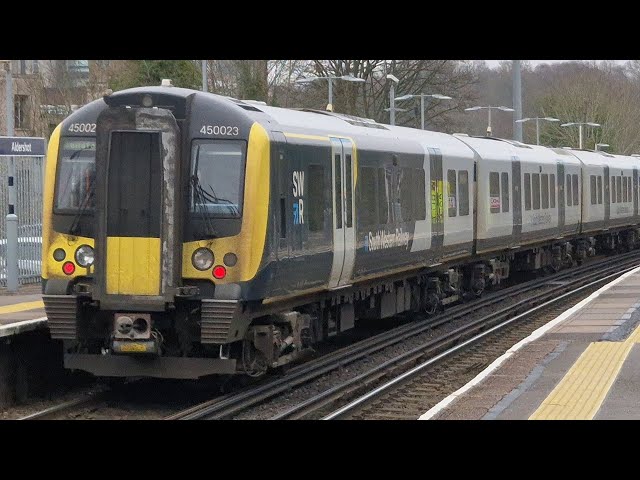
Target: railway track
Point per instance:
(541, 290)
(68, 407)
(411, 392)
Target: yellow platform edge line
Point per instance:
(21, 307)
(583, 389)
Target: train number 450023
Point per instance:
(219, 130)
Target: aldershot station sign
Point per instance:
(22, 146)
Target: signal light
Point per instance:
(68, 268)
(219, 272)
(59, 254)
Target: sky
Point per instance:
(535, 63)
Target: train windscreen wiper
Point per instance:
(83, 208)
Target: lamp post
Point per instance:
(422, 102)
(580, 124)
(204, 75)
(598, 145)
(537, 119)
(489, 108)
(330, 78)
(392, 98)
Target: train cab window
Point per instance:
(544, 185)
(217, 177)
(613, 190)
(463, 192)
(568, 190)
(452, 192)
(504, 177)
(535, 190)
(76, 171)
(527, 191)
(552, 190)
(576, 189)
(619, 189)
(593, 186)
(599, 189)
(316, 205)
(494, 192)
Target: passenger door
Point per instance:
(344, 232)
(516, 195)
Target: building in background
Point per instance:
(46, 91)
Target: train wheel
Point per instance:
(431, 305)
(253, 361)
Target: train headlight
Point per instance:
(84, 256)
(202, 259)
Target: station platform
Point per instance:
(21, 312)
(583, 365)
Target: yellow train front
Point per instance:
(146, 247)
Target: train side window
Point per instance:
(599, 189)
(283, 219)
(576, 189)
(628, 189)
(619, 189)
(594, 196)
(494, 192)
(535, 190)
(419, 195)
(315, 207)
(383, 198)
(527, 191)
(452, 192)
(338, 187)
(504, 176)
(463, 192)
(544, 185)
(348, 181)
(552, 190)
(568, 190)
(407, 194)
(613, 189)
(368, 202)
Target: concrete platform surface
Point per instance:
(20, 313)
(583, 365)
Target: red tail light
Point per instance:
(68, 268)
(219, 272)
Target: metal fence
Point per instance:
(29, 178)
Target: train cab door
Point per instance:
(344, 232)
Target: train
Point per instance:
(188, 234)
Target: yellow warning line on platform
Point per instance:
(581, 392)
(21, 307)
